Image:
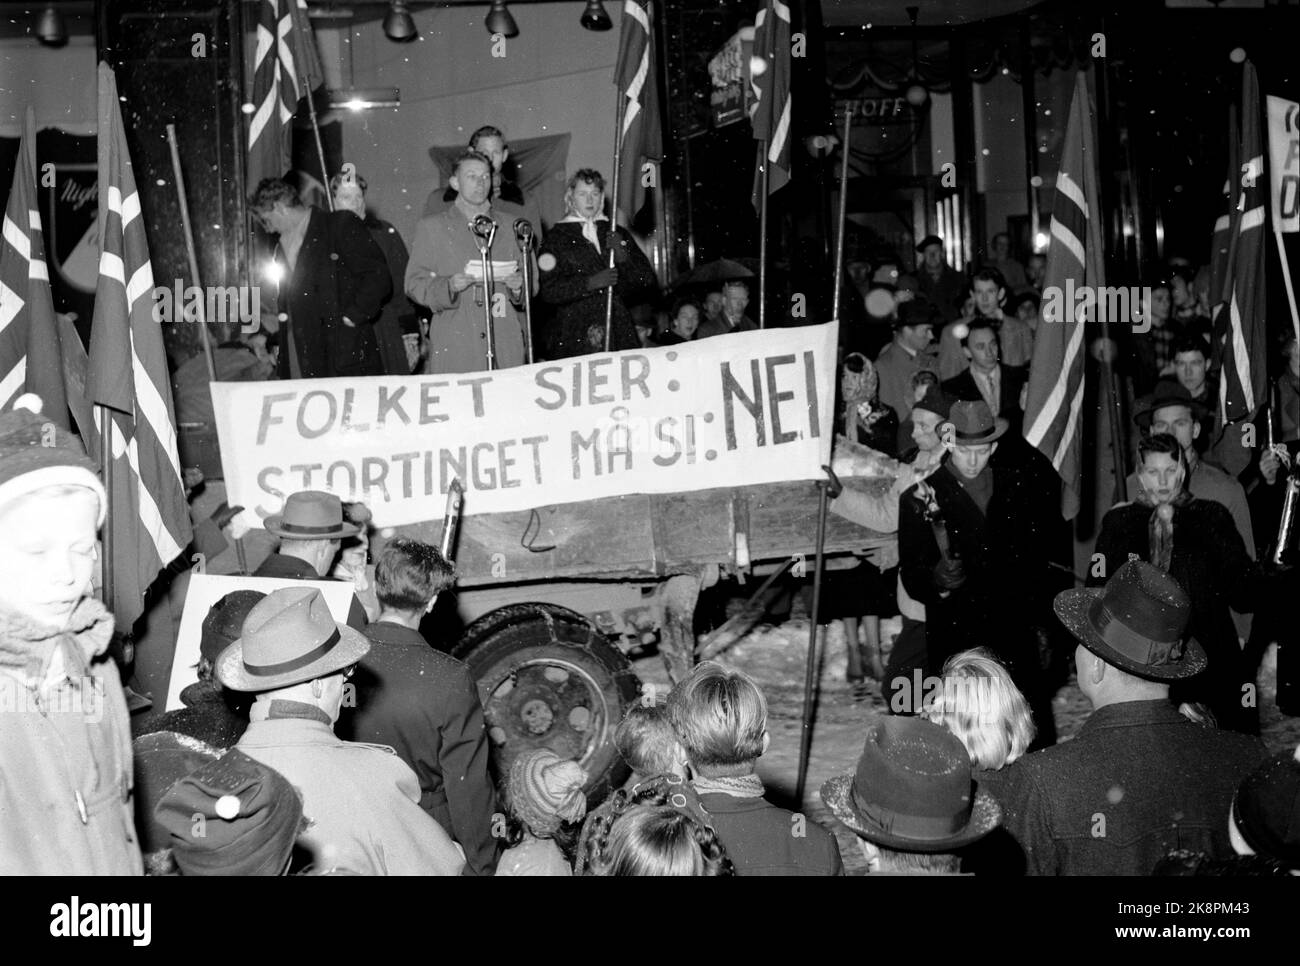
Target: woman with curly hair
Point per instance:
(656, 829)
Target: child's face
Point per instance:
(48, 553)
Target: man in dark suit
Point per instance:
(1139, 779)
(311, 531)
(335, 285)
(424, 703)
(986, 377)
(974, 540)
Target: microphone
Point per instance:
(523, 232)
(483, 226)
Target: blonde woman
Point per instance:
(575, 273)
(979, 703)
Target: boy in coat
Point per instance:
(720, 717)
(65, 741)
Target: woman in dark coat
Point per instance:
(574, 273)
(1196, 543)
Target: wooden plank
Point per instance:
(645, 536)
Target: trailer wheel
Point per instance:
(547, 678)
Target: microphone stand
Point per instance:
(484, 230)
(524, 239)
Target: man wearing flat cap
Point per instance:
(362, 800)
(939, 282)
(1139, 779)
(973, 542)
(912, 802)
(311, 529)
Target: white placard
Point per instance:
(205, 590)
(732, 410)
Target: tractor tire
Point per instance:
(547, 678)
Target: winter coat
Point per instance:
(1009, 588)
(580, 313)
(1138, 780)
(340, 271)
(425, 705)
(757, 837)
(895, 367)
(1210, 563)
(362, 800)
(398, 314)
(65, 751)
(443, 247)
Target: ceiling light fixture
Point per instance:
(399, 25)
(595, 17)
(50, 27)
(500, 22)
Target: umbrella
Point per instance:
(717, 271)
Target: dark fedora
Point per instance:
(1137, 622)
(288, 638)
(1168, 392)
(311, 515)
(927, 241)
(973, 422)
(912, 791)
(935, 401)
(1266, 809)
(225, 621)
(918, 310)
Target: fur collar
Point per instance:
(29, 645)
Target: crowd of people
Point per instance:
(317, 746)
(308, 745)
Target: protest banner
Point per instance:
(746, 408)
(205, 590)
(1284, 162)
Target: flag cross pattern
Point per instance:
(285, 67)
(771, 115)
(1054, 399)
(30, 355)
(148, 515)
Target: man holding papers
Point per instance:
(445, 273)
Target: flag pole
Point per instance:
(842, 217)
(762, 236)
(106, 582)
(613, 213)
(1286, 279)
(320, 148)
(204, 336)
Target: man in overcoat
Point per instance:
(1139, 779)
(425, 703)
(443, 275)
(991, 587)
(335, 285)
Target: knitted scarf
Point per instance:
(737, 786)
(31, 646)
(1160, 528)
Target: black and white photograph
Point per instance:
(782, 438)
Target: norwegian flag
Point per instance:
(286, 68)
(31, 359)
(634, 76)
(1054, 398)
(127, 378)
(1240, 331)
(771, 116)
(1221, 242)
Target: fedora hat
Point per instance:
(912, 790)
(311, 515)
(1168, 392)
(1137, 622)
(927, 241)
(973, 422)
(288, 638)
